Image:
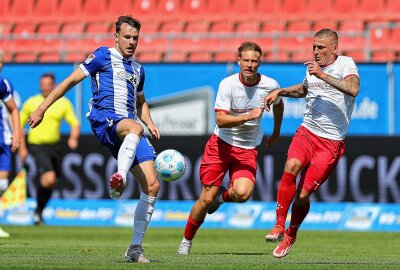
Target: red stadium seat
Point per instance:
(242, 8)
(317, 9)
(171, 26)
(150, 26)
(302, 56)
(276, 56)
(169, 8)
(25, 57)
(383, 56)
(149, 56)
(99, 28)
(73, 27)
(197, 26)
(175, 56)
(370, 9)
(225, 56)
(145, 9)
(49, 57)
(218, 9)
(200, 56)
(299, 26)
(148, 42)
(352, 26)
(46, 10)
(357, 55)
(75, 56)
(391, 10)
(293, 9)
(93, 10)
(351, 43)
(267, 10)
(5, 6)
(247, 27)
(193, 9)
(273, 26)
(24, 28)
(321, 24)
(380, 37)
(295, 42)
(70, 10)
(22, 9)
(344, 8)
(48, 28)
(115, 9)
(221, 26)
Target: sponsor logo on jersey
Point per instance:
(90, 58)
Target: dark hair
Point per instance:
(129, 20)
(249, 46)
(50, 75)
(327, 33)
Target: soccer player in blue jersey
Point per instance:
(10, 136)
(117, 103)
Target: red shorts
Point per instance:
(219, 157)
(318, 156)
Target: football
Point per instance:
(170, 165)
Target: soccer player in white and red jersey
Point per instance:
(239, 107)
(330, 87)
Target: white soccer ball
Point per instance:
(170, 165)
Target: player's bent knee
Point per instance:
(293, 166)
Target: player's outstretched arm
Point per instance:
(73, 79)
(295, 91)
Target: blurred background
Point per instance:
(187, 47)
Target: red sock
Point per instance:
(191, 228)
(286, 192)
(299, 213)
(226, 197)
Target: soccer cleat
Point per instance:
(117, 186)
(3, 233)
(276, 234)
(282, 249)
(37, 219)
(216, 203)
(184, 247)
(134, 253)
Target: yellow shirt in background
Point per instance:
(48, 132)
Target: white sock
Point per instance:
(3, 185)
(144, 211)
(186, 240)
(126, 153)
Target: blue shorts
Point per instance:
(108, 136)
(5, 158)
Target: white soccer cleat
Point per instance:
(134, 253)
(275, 235)
(184, 247)
(3, 233)
(117, 185)
(284, 246)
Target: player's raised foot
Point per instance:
(276, 234)
(117, 186)
(184, 247)
(134, 253)
(216, 203)
(37, 218)
(282, 249)
(3, 233)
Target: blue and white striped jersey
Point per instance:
(6, 90)
(115, 83)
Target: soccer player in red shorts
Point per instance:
(330, 87)
(239, 107)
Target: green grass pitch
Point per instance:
(49, 247)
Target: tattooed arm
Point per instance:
(295, 91)
(349, 86)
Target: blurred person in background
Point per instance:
(44, 141)
(239, 107)
(117, 103)
(330, 87)
(10, 131)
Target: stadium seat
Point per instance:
(193, 9)
(276, 56)
(380, 37)
(169, 8)
(172, 26)
(351, 43)
(383, 56)
(70, 10)
(74, 56)
(299, 26)
(291, 43)
(240, 8)
(93, 10)
(267, 10)
(175, 56)
(4, 10)
(115, 9)
(266, 43)
(49, 57)
(197, 26)
(200, 56)
(318, 10)
(24, 28)
(221, 26)
(149, 57)
(98, 28)
(48, 28)
(352, 26)
(391, 10)
(357, 55)
(301, 55)
(22, 9)
(247, 27)
(369, 10)
(217, 10)
(321, 24)
(73, 28)
(272, 26)
(149, 26)
(145, 9)
(293, 9)
(225, 56)
(344, 9)
(46, 10)
(149, 42)
(25, 57)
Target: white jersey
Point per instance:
(236, 98)
(328, 111)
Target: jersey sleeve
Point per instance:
(69, 115)
(5, 91)
(93, 62)
(349, 68)
(223, 99)
(140, 89)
